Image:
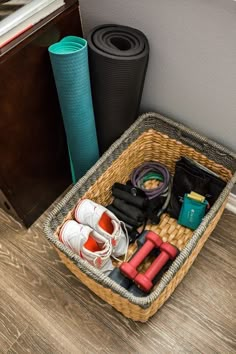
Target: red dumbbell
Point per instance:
(129, 269)
(144, 281)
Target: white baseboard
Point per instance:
(231, 205)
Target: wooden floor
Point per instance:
(45, 309)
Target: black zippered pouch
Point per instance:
(192, 176)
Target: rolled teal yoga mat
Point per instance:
(69, 59)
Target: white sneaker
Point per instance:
(105, 223)
(88, 244)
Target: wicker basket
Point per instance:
(151, 137)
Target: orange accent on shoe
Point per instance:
(99, 262)
(114, 242)
(106, 224)
(92, 245)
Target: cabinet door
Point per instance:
(34, 167)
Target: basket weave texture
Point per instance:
(151, 138)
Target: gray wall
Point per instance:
(192, 69)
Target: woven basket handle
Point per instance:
(201, 145)
(192, 141)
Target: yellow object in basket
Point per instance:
(198, 197)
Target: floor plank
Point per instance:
(12, 323)
(45, 309)
(32, 341)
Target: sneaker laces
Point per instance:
(127, 241)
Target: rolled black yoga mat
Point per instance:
(118, 58)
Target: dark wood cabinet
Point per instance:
(34, 165)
